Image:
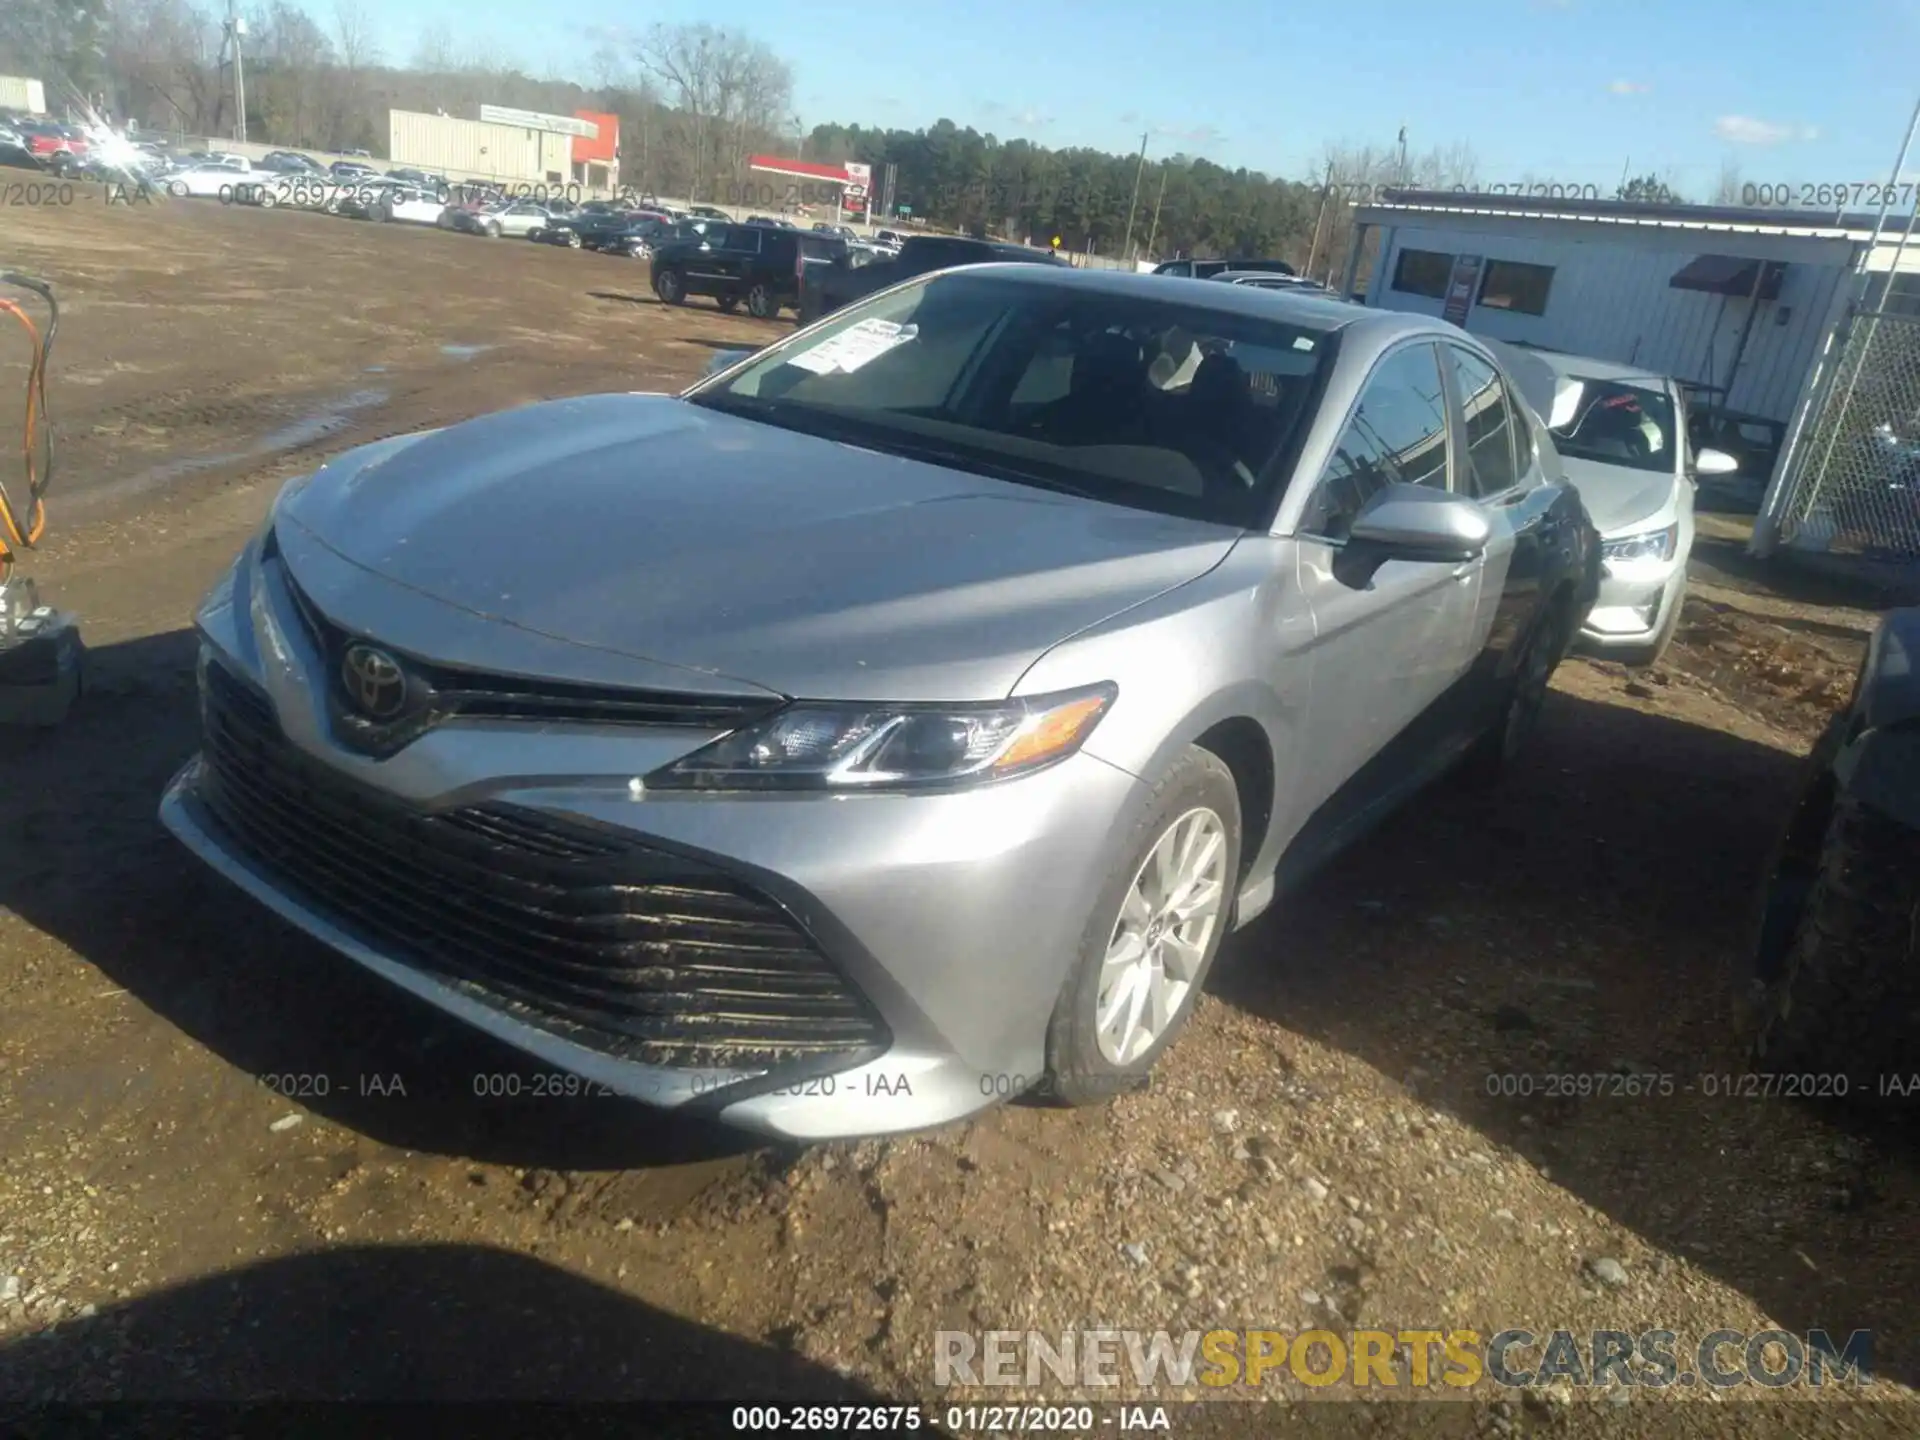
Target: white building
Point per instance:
(17, 92)
(518, 154)
(1749, 307)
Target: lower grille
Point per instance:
(629, 950)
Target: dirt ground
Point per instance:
(1324, 1146)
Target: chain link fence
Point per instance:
(1855, 489)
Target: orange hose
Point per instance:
(25, 535)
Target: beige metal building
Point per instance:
(19, 93)
(475, 149)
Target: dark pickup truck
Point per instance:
(828, 287)
(1207, 269)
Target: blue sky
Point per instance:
(1550, 90)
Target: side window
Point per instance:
(1398, 435)
(1491, 430)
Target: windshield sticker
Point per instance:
(855, 346)
(1302, 342)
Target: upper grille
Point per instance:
(629, 950)
(481, 695)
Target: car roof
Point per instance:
(1322, 312)
(1265, 277)
(1585, 367)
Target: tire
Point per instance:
(178, 189)
(1651, 653)
(1082, 1069)
(762, 303)
(727, 303)
(573, 240)
(493, 230)
(267, 200)
(671, 286)
(1496, 750)
(1845, 998)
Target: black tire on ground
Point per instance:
(494, 232)
(1077, 1073)
(728, 303)
(1642, 656)
(671, 286)
(762, 303)
(1496, 750)
(1844, 1000)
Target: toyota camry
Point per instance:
(901, 717)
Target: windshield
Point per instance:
(1613, 423)
(1119, 397)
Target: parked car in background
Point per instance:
(53, 146)
(418, 179)
(892, 239)
(517, 219)
(1269, 280)
(1620, 433)
(1206, 269)
(1088, 669)
(758, 266)
(827, 288)
(290, 162)
(636, 241)
(410, 205)
(708, 212)
(363, 199)
(586, 229)
(206, 182)
(351, 170)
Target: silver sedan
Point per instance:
(901, 718)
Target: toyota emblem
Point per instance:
(374, 682)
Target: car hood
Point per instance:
(665, 532)
(1618, 497)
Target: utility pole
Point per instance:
(1153, 231)
(1403, 155)
(1126, 248)
(1326, 194)
(236, 28)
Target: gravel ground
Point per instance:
(237, 1166)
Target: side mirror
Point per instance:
(1417, 522)
(1714, 462)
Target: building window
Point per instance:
(1422, 272)
(1521, 289)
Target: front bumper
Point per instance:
(953, 918)
(1632, 606)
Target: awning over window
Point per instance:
(1729, 275)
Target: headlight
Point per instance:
(1652, 545)
(815, 746)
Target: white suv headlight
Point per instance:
(1647, 545)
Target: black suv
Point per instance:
(828, 287)
(757, 264)
(1206, 269)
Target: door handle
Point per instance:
(1464, 571)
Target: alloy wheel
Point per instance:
(1161, 938)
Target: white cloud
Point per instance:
(1628, 87)
(1031, 118)
(1747, 130)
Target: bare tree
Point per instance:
(353, 35)
(433, 52)
(1730, 188)
(726, 87)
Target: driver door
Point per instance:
(1388, 644)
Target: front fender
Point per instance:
(1889, 687)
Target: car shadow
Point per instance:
(96, 870)
(1785, 576)
(401, 1323)
(1585, 918)
(620, 298)
(711, 344)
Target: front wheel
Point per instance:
(573, 240)
(177, 189)
(762, 303)
(1154, 934)
(494, 232)
(266, 199)
(671, 287)
(1501, 745)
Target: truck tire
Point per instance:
(670, 285)
(762, 303)
(1842, 1008)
